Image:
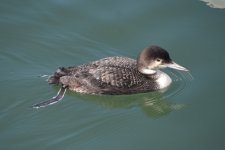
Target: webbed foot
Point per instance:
(53, 100)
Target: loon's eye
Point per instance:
(158, 60)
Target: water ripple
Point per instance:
(181, 80)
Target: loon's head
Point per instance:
(153, 58)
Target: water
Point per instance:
(39, 36)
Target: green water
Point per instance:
(36, 37)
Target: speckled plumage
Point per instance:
(111, 75)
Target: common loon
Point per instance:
(115, 75)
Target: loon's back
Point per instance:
(111, 75)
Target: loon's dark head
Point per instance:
(153, 58)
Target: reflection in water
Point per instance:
(152, 104)
(215, 3)
(157, 106)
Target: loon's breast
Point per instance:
(163, 80)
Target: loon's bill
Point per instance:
(174, 65)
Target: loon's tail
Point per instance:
(54, 79)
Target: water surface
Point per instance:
(39, 36)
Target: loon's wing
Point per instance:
(118, 80)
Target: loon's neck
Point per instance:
(162, 79)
